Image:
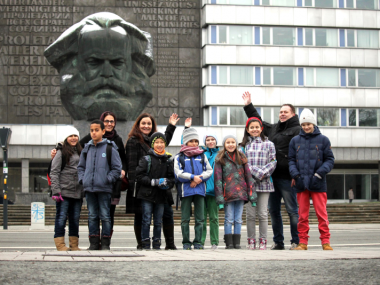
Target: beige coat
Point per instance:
(351, 194)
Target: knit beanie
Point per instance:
(229, 137)
(210, 134)
(67, 132)
(307, 117)
(155, 136)
(190, 134)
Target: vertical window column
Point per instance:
(213, 34)
(300, 36)
(214, 116)
(342, 38)
(300, 77)
(343, 78)
(214, 75)
(343, 117)
(257, 76)
(257, 35)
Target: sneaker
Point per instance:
(327, 246)
(198, 246)
(187, 246)
(301, 246)
(263, 244)
(277, 246)
(251, 243)
(293, 246)
(214, 247)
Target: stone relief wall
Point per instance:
(29, 86)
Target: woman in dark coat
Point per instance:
(138, 146)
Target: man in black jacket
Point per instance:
(280, 134)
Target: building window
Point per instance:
(352, 114)
(222, 34)
(369, 118)
(328, 117)
(284, 36)
(326, 37)
(241, 75)
(284, 76)
(325, 3)
(368, 78)
(327, 77)
(368, 39)
(335, 184)
(240, 35)
(367, 4)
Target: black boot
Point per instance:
(228, 241)
(106, 243)
(169, 237)
(145, 244)
(94, 242)
(138, 237)
(236, 241)
(156, 244)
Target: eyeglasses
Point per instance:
(109, 122)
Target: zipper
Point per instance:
(298, 148)
(317, 152)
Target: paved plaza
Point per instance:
(28, 257)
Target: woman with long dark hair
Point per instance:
(66, 190)
(138, 146)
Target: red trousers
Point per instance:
(319, 202)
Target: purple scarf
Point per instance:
(190, 151)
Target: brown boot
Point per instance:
(301, 246)
(60, 244)
(74, 241)
(327, 246)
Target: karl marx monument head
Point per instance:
(104, 63)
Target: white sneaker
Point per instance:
(293, 246)
(214, 247)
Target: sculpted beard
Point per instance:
(90, 98)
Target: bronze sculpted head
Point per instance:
(104, 63)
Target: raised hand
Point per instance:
(247, 98)
(188, 122)
(173, 119)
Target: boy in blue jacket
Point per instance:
(192, 170)
(97, 179)
(310, 159)
(211, 208)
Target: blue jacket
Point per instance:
(211, 154)
(186, 175)
(94, 172)
(310, 154)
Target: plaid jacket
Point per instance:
(262, 163)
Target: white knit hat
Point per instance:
(307, 117)
(68, 131)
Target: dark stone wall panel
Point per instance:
(29, 86)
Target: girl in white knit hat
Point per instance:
(310, 159)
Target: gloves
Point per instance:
(57, 198)
(253, 204)
(221, 207)
(163, 184)
(155, 182)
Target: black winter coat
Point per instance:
(280, 134)
(119, 143)
(158, 167)
(135, 150)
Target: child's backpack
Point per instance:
(178, 184)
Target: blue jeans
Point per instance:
(233, 216)
(283, 190)
(71, 208)
(98, 204)
(149, 208)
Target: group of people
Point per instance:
(288, 160)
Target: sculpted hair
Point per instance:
(135, 132)
(291, 107)
(222, 156)
(247, 135)
(98, 122)
(68, 150)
